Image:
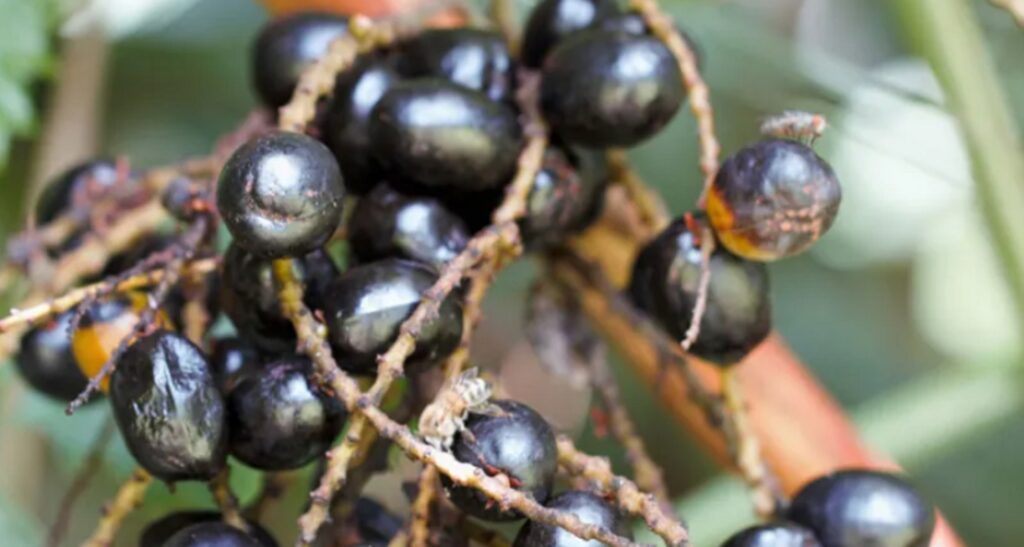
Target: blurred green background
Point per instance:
(901, 310)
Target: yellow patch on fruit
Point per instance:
(723, 222)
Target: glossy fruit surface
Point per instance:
(858, 507)
(773, 534)
(281, 194)
(366, 306)
(665, 283)
(279, 419)
(518, 443)
(250, 299)
(168, 408)
(356, 92)
(602, 89)
(567, 195)
(102, 328)
(386, 223)
(552, 20)
(633, 23)
(432, 133)
(46, 363)
(232, 360)
(159, 531)
(288, 45)
(473, 58)
(773, 199)
(212, 534)
(76, 187)
(585, 506)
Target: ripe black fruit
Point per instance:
(279, 418)
(249, 295)
(168, 408)
(552, 20)
(473, 58)
(435, 134)
(603, 89)
(77, 186)
(665, 283)
(356, 92)
(366, 306)
(376, 525)
(232, 360)
(281, 194)
(46, 363)
(158, 532)
(518, 443)
(773, 534)
(567, 195)
(285, 47)
(773, 199)
(583, 505)
(213, 534)
(386, 224)
(633, 23)
(858, 507)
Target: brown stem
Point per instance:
(227, 503)
(419, 526)
(128, 497)
(746, 451)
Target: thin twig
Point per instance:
(627, 495)
(311, 335)
(1014, 7)
(419, 526)
(707, 247)
(746, 450)
(86, 472)
(664, 28)
(227, 502)
(128, 497)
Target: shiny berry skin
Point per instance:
(356, 93)
(602, 89)
(159, 531)
(46, 363)
(633, 23)
(102, 328)
(773, 199)
(232, 360)
(853, 508)
(473, 58)
(567, 195)
(773, 534)
(552, 20)
(279, 419)
(168, 408)
(212, 534)
(386, 224)
(79, 185)
(434, 134)
(665, 283)
(366, 306)
(288, 45)
(585, 506)
(518, 443)
(281, 194)
(249, 295)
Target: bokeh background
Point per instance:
(901, 310)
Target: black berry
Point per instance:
(633, 23)
(356, 93)
(665, 283)
(473, 58)
(602, 89)
(76, 187)
(583, 505)
(279, 418)
(288, 45)
(567, 195)
(366, 306)
(158, 532)
(386, 223)
(212, 534)
(518, 443)
(376, 525)
(552, 20)
(773, 534)
(46, 363)
(773, 199)
(852, 508)
(432, 133)
(168, 408)
(232, 360)
(281, 195)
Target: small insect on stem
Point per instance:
(797, 125)
(446, 416)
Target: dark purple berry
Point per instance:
(773, 534)
(567, 195)
(46, 362)
(212, 534)
(158, 532)
(473, 58)
(552, 20)
(583, 505)
(288, 45)
(76, 187)
(232, 360)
